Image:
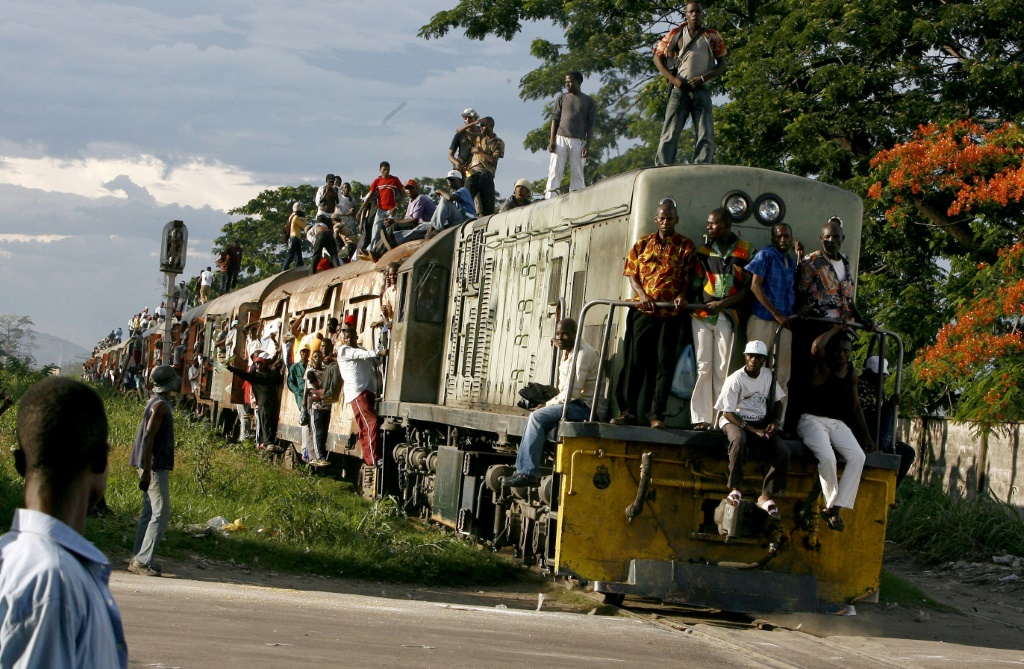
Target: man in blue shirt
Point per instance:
(774, 277)
(454, 208)
(56, 609)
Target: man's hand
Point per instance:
(869, 445)
(799, 249)
(696, 82)
(646, 304)
(713, 307)
(551, 148)
(770, 429)
(144, 480)
(784, 321)
(680, 302)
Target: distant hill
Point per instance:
(50, 350)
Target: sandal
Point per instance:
(833, 520)
(734, 498)
(769, 507)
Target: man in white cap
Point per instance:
(751, 406)
(867, 392)
(521, 196)
(461, 150)
(153, 455)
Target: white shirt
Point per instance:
(586, 376)
(840, 267)
(55, 601)
(357, 372)
(206, 278)
(345, 205)
(747, 397)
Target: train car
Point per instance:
(512, 277)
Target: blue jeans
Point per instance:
(156, 512)
(682, 105)
(378, 227)
(542, 421)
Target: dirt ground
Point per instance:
(987, 601)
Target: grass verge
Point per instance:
(940, 527)
(898, 590)
(297, 522)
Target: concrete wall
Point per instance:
(961, 459)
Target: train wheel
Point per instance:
(612, 598)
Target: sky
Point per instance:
(116, 118)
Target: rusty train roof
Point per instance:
(227, 304)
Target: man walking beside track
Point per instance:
(56, 609)
(153, 456)
(572, 129)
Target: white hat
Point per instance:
(469, 112)
(872, 364)
(756, 347)
(455, 174)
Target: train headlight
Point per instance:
(769, 209)
(737, 203)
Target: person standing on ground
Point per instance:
(56, 609)
(266, 382)
(689, 56)
(153, 455)
(659, 269)
(572, 128)
(318, 399)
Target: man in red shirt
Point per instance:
(385, 191)
(659, 269)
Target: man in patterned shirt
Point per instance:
(487, 149)
(658, 269)
(688, 57)
(723, 283)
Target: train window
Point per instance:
(555, 287)
(431, 293)
(579, 283)
(362, 320)
(403, 289)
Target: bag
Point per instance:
(535, 394)
(685, 376)
(303, 416)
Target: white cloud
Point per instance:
(28, 239)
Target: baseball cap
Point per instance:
(525, 183)
(872, 364)
(411, 183)
(756, 347)
(455, 174)
(470, 112)
(165, 379)
(349, 322)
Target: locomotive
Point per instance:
(632, 510)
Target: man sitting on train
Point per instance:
(744, 403)
(659, 269)
(546, 418)
(827, 407)
(455, 208)
(722, 283)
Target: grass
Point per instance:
(297, 522)
(897, 590)
(940, 527)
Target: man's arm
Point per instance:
(556, 119)
(818, 347)
(718, 306)
(757, 287)
(366, 203)
(588, 132)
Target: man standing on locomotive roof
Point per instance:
(688, 57)
(360, 386)
(461, 150)
(572, 128)
(488, 148)
(722, 283)
(546, 418)
(153, 456)
(659, 268)
(326, 200)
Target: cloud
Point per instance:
(28, 239)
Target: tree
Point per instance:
(17, 338)
(957, 191)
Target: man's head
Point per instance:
(832, 237)
(455, 179)
(573, 81)
(165, 379)
(487, 125)
(317, 358)
(839, 349)
(522, 190)
(337, 182)
(346, 188)
(565, 334)
(348, 334)
(469, 115)
(329, 179)
(719, 224)
(391, 273)
(62, 439)
(694, 15)
(782, 237)
(666, 217)
(332, 324)
(412, 188)
(304, 355)
(209, 269)
(385, 168)
(754, 356)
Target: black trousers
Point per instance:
(653, 355)
(741, 442)
(294, 253)
(481, 185)
(266, 424)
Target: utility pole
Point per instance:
(173, 250)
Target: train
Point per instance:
(629, 510)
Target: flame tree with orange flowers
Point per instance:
(958, 190)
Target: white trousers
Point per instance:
(825, 437)
(763, 330)
(711, 344)
(565, 147)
